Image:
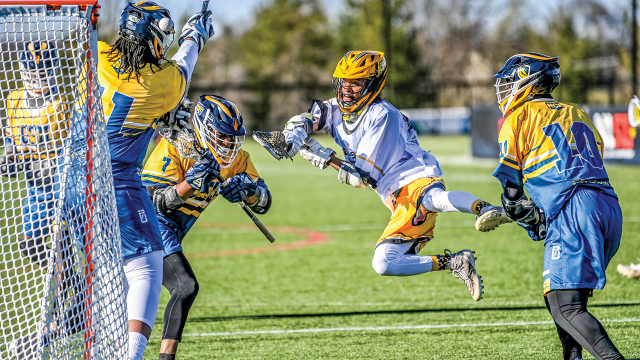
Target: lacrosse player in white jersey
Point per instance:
(381, 151)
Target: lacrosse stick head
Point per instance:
(186, 143)
(274, 142)
(633, 111)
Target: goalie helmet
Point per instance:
(38, 66)
(368, 65)
(219, 127)
(149, 24)
(523, 76)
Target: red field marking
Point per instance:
(313, 238)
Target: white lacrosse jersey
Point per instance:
(383, 145)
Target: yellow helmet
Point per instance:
(368, 65)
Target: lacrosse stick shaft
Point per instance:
(253, 217)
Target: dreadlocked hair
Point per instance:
(131, 57)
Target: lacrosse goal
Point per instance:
(62, 292)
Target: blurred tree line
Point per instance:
(440, 52)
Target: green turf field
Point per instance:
(326, 302)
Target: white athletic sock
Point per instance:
(439, 200)
(137, 344)
(392, 260)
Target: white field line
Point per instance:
(388, 328)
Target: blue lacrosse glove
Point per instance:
(238, 188)
(198, 27)
(202, 174)
(537, 230)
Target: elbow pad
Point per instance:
(263, 204)
(350, 175)
(166, 199)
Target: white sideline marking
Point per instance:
(385, 328)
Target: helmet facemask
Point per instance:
(37, 81)
(512, 93)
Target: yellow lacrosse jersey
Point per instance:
(165, 168)
(36, 130)
(132, 109)
(550, 147)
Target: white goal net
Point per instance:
(62, 290)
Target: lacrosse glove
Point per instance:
(199, 28)
(238, 188)
(315, 153)
(178, 118)
(536, 229)
(202, 174)
(296, 130)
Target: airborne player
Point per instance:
(182, 189)
(554, 151)
(382, 152)
(139, 86)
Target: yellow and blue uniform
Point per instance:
(132, 108)
(164, 168)
(36, 130)
(555, 152)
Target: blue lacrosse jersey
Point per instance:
(550, 148)
(133, 108)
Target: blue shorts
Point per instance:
(581, 241)
(138, 222)
(171, 238)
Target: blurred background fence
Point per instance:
(442, 56)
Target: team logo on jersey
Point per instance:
(555, 252)
(554, 105)
(143, 216)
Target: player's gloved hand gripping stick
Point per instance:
(188, 148)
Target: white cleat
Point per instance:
(631, 271)
(463, 266)
(491, 217)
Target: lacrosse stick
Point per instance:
(188, 148)
(273, 142)
(633, 112)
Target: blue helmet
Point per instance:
(38, 66)
(220, 127)
(149, 24)
(526, 75)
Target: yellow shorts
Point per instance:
(404, 206)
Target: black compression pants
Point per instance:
(577, 328)
(179, 279)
